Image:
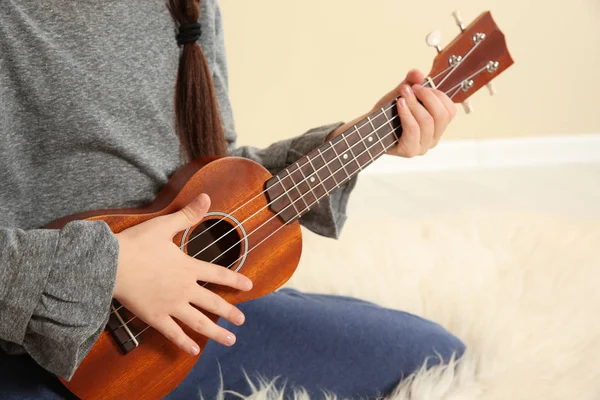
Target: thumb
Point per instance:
(188, 216)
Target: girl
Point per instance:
(86, 123)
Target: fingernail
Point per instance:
(195, 351)
(248, 284)
(402, 103)
(230, 339)
(240, 319)
(406, 90)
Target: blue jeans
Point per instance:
(318, 342)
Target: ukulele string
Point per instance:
(317, 200)
(424, 84)
(456, 88)
(296, 185)
(247, 202)
(283, 194)
(301, 197)
(277, 230)
(393, 132)
(455, 93)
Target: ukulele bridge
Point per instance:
(117, 326)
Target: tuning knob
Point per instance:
(458, 20)
(491, 88)
(434, 39)
(467, 106)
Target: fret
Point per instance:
(351, 164)
(382, 129)
(392, 137)
(334, 164)
(388, 122)
(393, 131)
(318, 170)
(327, 183)
(338, 157)
(286, 191)
(295, 186)
(308, 181)
(369, 140)
(326, 163)
(393, 121)
(383, 134)
(384, 122)
(352, 152)
(365, 132)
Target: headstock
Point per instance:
(473, 59)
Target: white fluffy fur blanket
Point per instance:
(521, 289)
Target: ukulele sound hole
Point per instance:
(216, 241)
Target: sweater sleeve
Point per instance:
(55, 291)
(329, 215)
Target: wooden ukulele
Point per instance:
(254, 228)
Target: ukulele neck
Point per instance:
(469, 62)
(299, 187)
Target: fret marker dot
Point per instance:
(370, 138)
(312, 178)
(345, 156)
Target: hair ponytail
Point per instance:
(197, 117)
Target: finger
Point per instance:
(204, 325)
(188, 216)
(213, 273)
(215, 304)
(408, 144)
(438, 111)
(447, 102)
(175, 334)
(424, 119)
(450, 107)
(414, 77)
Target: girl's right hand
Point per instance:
(158, 282)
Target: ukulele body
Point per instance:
(156, 366)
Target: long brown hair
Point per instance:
(197, 117)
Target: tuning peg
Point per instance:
(491, 88)
(434, 39)
(458, 20)
(467, 106)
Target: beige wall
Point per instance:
(297, 64)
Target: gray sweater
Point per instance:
(86, 122)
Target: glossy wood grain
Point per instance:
(493, 48)
(157, 366)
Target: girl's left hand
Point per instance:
(422, 124)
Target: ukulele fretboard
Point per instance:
(294, 190)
